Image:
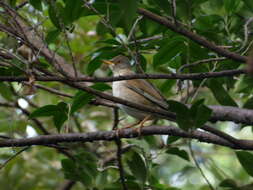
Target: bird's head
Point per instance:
(118, 63)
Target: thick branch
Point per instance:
(125, 133)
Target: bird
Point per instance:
(139, 91)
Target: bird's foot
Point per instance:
(138, 130)
(117, 131)
(126, 127)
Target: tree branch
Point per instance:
(125, 133)
(178, 28)
(13, 156)
(191, 76)
(200, 62)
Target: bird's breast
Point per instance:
(121, 90)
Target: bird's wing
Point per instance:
(148, 91)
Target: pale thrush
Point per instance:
(138, 91)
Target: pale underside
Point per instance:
(137, 91)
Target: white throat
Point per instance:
(122, 72)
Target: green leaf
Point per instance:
(203, 115)
(246, 160)
(183, 116)
(5, 92)
(248, 104)
(98, 56)
(80, 99)
(128, 11)
(101, 29)
(87, 161)
(138, 167)
(59, 113)
(175, 62)
(101, 86)
(68, 165)
(10, 71)
(150, 28)
(231, 5)
(249, 4)
(172, 139)
(73, 10)
(200, 113)
(169, 50)
(59, 119)
(37, 4)
(165, 5)
(52, 36)
(83, 168)
(208, 23)
(245, 85)
(220, 93)
(101, 179)
(228, 183)
(48, 110)
(55, 13)
(166, 87)
(180, 153)
(93, 66)
(12, 2)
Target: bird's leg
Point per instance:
(140, 122)
(128, 126)
(132, 125)
(148, 117)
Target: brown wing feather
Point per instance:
(151, 93)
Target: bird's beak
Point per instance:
(108, 62)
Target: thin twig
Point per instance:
(53, 91)
(137, 53)
(200, 62)
(174, 11)
(221, 134)
(246, 34)
(144, 40)
(132, 31)
(13, 156)
(201, 84)
(198, 166)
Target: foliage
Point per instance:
(101, 29)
